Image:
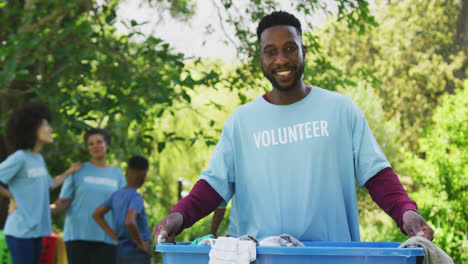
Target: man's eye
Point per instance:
(269, 52)
(291, 49)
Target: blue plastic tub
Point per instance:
(312, 253)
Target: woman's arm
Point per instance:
(5, 192)
(59, 179)
(60, 205)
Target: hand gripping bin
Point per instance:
(49, 249)
(312, 253)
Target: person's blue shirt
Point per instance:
(88, 188)
(293, 167)
(29, 182)
(120, 202)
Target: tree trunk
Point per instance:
(5, 106)
(462, 25)
(462, 37)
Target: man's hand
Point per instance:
(415, 225)
(169, 227)
(146, 247)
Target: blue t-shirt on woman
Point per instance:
(88, 188)
(29, 182)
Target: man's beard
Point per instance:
(276, 85)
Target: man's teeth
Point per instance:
(283, 73)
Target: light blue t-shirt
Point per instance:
(120, 202)
(89, 188)
(29, 181)
(232, 227)
(293, 167)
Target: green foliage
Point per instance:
(242, 16)
(198, 126)
(408, 65)
(438, 182)
(411, 69)
(69, 55)
(385, 131)
(372, 219)
(442, 175)
(180, 9)
(319, 71)
(89, 75)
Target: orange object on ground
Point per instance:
(61, 251)
(49, 249)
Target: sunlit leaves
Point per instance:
(442, 174)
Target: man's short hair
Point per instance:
(103, 132)
(278, 18)
(23, 124)
(138, 163)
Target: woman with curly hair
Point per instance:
(29, 182)
(81, 194)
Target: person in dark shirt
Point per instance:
(131, 232)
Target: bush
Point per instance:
(441, 173)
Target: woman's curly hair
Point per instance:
(23, 123)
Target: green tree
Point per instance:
(372, 219)
(68, 54)
(441, 175)
(408, 65)
(412, 69)
(243, 17)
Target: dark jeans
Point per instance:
(132, 255)
(87, 252)
(24, 250)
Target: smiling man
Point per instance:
(290, 159)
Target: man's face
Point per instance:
(282, 56)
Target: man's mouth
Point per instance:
(283, 74)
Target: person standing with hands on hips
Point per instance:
(289, 159)
(29, 182)
(131, 230)
(81, 194)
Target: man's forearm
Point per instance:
(386, 190)
(201, 201)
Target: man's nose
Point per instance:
(281, 58)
